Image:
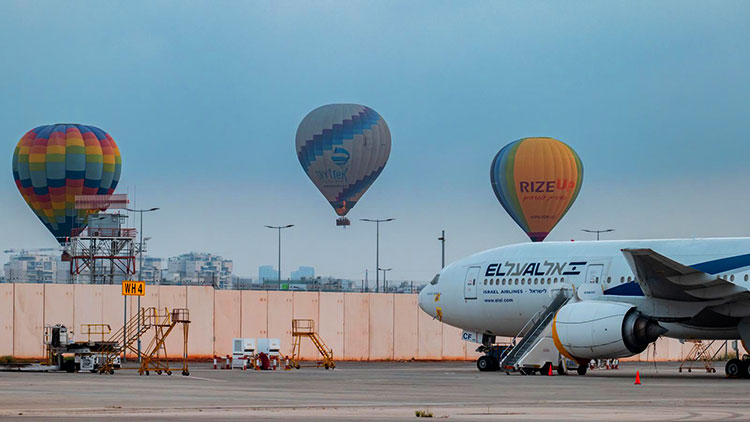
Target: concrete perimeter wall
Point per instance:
(358, 326)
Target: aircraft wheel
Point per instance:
(733, 368)
(582, 369)
(485, 363)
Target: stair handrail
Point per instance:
(540, 315)
(530, 323)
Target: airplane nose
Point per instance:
(424, 299)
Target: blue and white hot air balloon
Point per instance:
(343, 148)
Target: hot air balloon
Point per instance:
(343, 148)
(52, 164)
(536, 180)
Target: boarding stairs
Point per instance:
(306, 328)
(533, 335)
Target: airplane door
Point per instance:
(470, 285)
(594, 273)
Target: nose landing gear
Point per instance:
(487, 363)
(493, 355)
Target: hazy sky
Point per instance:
(204, 99)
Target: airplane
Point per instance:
(571, 302)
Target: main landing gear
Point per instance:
(738, 368)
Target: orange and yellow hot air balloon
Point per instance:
(536, 180)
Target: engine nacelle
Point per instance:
(594, 329)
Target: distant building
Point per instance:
(200, 269)
(243, 283)
(63, 272)
(267, 273)
(303, 273)
(29, 267)
(151, 271)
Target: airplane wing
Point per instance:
(663, 278)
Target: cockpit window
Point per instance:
(435, 280)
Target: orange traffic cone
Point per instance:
(637, 378)
(550, 371)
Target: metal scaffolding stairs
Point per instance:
(130, 332)
(700, 352)
(532, 332)
(155, 357)
(306, 328)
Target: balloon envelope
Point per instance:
(343, 148)
(536, 180)
(52, 164)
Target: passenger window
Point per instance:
(622, 279)
(746, 277)
(731, 277)
(485, 281)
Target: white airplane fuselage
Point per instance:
(496, 292)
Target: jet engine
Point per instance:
(596, 329)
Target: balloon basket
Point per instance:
(343, 222)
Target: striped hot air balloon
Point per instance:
(52, 164)
(343, 148)
(536, 180)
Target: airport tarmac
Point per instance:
(377, 392)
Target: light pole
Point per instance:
(597, 231)
(377, 247)
(442, 240)
(279, 229)
(385, 283)
(140, 266)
